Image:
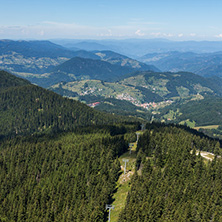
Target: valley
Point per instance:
(168, 97)
(116, 84)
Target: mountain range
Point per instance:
(31, 56)
(204, 64)
(115, 59)
(146, 86)
(37, 61)
(136, 48)
(117, 80)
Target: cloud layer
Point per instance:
(134, 29)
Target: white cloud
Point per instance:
(159, 34)
(219, 36)
(51, 29)
(106, 34)
(139, 33)
(42, 33)
(168, 35)
(156, 34)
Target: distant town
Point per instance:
(127, 97)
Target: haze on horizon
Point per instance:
(99, 19)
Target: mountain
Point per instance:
(90, 46)
(135, 48)
(144, 87)
(35, 60)
(184, 98)
(99, 88)
(115, 59)
(93, 69)
(168, 84)
(119, 107)
(31, 56)
(7, 80)
(204, 112)
(34, 49)
(27, 109)
(205, 64)
(77, 68)
(86, 54)
(118, 59)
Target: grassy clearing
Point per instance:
(172, 115)
(119, 200)
(207, 127)
(189, 123)
(123, 184)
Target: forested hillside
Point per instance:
(201, 112)
(169, 84)
(71, 176)
(83, 68)
(7, 80)
(63, 164)
(34, 49)
(25, 109)
(114, 58)
(145, 86)
(172, 97)
(175, 184)
(67, 177)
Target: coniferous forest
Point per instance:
(26, 109)
(172, 182)
(59, 161)
(66, 178)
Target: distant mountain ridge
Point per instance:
(206, 64)
(35, 48)
(115, 59)
(31, 56)
(135, 48)
(83, 68)
(118, 59)
(32, 59)
(92, 69)
(79, 68)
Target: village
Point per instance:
(147, 105)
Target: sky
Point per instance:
(111, 19)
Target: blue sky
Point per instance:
(111, 19)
